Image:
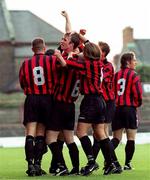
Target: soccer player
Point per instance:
(68, 29)
(109, 97)
(62, 48)
(128, 93)
(66, 92)
(92, 108)
(107, 85)
(37, 80)
(60, 139)
(76, 50)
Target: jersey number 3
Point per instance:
(122, 83)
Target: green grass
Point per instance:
(13, 165)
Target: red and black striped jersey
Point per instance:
(38, 75)
(90, 76)
(67, 88)
(81, 47)
(108, 80)
(128, 89)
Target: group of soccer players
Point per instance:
(52, 84)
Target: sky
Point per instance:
(104, 20)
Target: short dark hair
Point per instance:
(125, 58)
(49, 52)
(74, 38)
(104, 47)
(38, 43)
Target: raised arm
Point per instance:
(68, 28)
(83, 39)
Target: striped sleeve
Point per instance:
(137, 91)
(75, 64)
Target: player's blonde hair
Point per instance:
(91, 51)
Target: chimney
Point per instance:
(127, 36)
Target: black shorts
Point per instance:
(125, 117)
(92, 109)
(38, 108)
(63, 117)
(110, 111)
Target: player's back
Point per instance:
(37, 75)
(127, 88)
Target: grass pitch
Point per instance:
(13, 165)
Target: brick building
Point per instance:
(139, 46)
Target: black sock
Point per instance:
(87, 147)
(129, 150)
(29, 149)
(56, 153)
(113, 154)
(74, 155)
(45, 149)
(96, 147)
(39, 149)
(115, 142)
(53, 161)
(106, 150)
(60, 144)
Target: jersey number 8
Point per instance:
(38, 75)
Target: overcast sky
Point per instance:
(104, 20)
